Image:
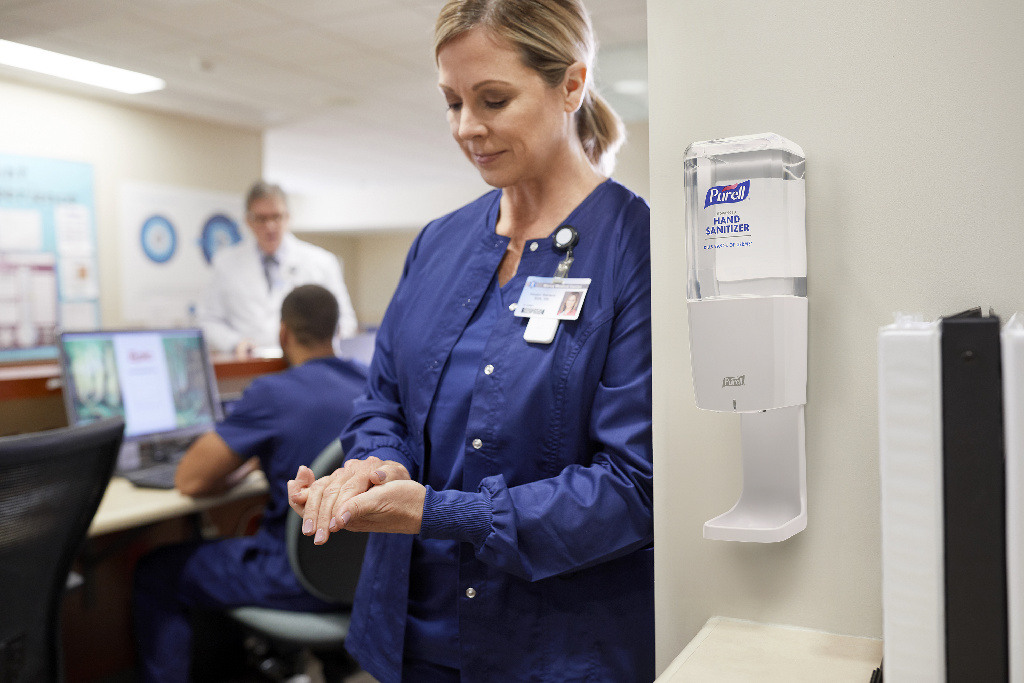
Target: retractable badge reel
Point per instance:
(565, 239)
(541, 296)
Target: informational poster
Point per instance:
(168, 237)
(49, 276)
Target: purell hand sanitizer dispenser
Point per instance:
(747, 305)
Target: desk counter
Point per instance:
(126, 506)
(737, 651)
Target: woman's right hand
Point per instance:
(317, 500)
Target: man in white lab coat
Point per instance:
(241, 310)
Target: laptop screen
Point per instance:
(160, 381)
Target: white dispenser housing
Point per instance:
(747, 307)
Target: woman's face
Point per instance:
(509, 123)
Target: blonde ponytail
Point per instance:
(600, 131)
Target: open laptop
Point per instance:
(160, 381)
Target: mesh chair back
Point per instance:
(328, 571)
(50, 486)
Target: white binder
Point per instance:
(910, 451)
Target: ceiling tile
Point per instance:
(43, 16)
(113, 34)
(209, 19)
(297, 45)
(341, 86)
(395, 26)
(315, 12)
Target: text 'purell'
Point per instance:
(727, 194)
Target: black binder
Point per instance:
(974, 486)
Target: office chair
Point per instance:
(329, 572)
(50, 486)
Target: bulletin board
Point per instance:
(49, 277)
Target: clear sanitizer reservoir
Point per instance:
(747, 272)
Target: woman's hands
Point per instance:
(364, 495)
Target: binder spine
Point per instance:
(974, 493)
(910, 448)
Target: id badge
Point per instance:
(553, 298)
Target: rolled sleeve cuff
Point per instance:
(456, 516)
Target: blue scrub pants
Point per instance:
(172, 581)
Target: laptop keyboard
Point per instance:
(159, 476)
(163, 456)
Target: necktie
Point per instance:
(270, 270)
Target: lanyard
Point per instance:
(541, 329)
(565, 239)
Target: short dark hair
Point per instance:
(311, 313)
(261, 189)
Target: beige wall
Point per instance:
(632, 165)
(125, 144)
(909, 114)
(372, 264)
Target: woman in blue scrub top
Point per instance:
(506, 475)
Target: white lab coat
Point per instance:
(239, 306)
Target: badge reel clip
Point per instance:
(542, 330)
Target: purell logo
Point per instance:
(734, 381)
(727, 194)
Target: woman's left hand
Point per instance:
(394, 507)
(322, 502)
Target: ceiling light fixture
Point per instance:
(75, 69)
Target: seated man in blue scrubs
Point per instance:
(280, 422)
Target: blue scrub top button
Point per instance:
(477, 444)
(488, 369)
(470, 592)
(533, 246)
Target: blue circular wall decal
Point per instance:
(159, 239)
(219, 231)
